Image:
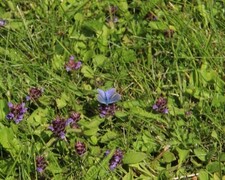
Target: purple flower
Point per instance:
(113, 19)
(34, 93)
(151, 16)
(73, 119)
(116, 159)
(17, 112)
(107, 153)
(40, 164)
(58, 128)
(80, 148)
(72, 65)
(2, 23)
(161, 105)
(107, 110)
(112, 9)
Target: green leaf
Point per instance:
(129, 175)
(214, 167)
(91, 124)
(62, 101)
(58, 62)
(128, 55)
(39, 116)
(8, 140)
(3, 106)
(91, 132)
(94, 140)
(134, 157)
(79, 17)
(93, 171)
(203, 175)
(87, 72)
(108, 136)
(158, 25)
(200, 153)
(168, 157)
(214, 135)
(94, 25)
(141, 112)
(183, 154)
(222, 157)
(98, 60)
(121, 114)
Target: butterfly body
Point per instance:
(109, 96)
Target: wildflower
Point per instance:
(169, 33)
(80, 148)
(34, 93)
(40, 164)
(17, 112)
(151, 17)
(2, 23)
(116, 159)
(112, 20)
(112, 9)
(72, 65)
(107, 153)
(188, 113)
(161, 105)
(58, 127)
(107, 110)
(73, 119)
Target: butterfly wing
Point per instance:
(112, 96)
(102, 97)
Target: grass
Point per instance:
(144, 49)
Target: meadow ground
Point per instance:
(165, 60)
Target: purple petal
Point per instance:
(10, 116)
(72, 58)
(40, 170)
(107, 153)
(113, 166)
(62, 135)
(117, 159)
(155, 107)
(51, 128)
(165, 111)
(17, 121)
(69, 121)
(68, 68)
(28, 98)
(10, 105)
(78, 65)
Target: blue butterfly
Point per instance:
(108, 97)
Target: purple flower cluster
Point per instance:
(2, 23)
(72, 65)
(17, 112)
(73, 119)
(161, 105)
(112, 18)
(151, 16)
(34, 93)
(58, 127)
(107, 110)
(40, 164)
(80, 148)
(116, 158)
